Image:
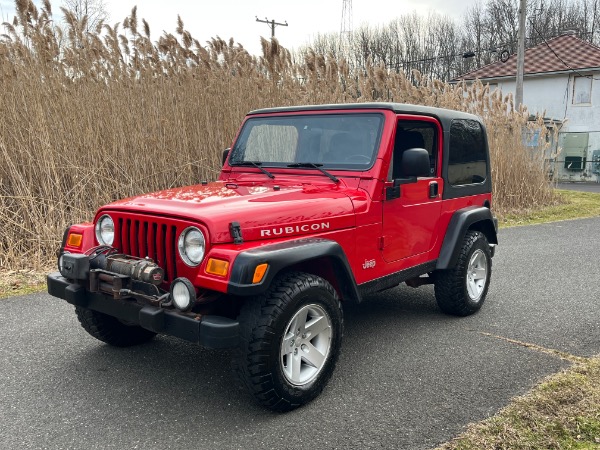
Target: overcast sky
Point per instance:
(226, 18)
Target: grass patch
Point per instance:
(21, 282)
(573, 205)
(561, 412)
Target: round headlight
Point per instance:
(183, 294)
(191, 246)
(105, 230)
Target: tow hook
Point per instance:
(160, 301)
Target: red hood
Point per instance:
(262, 211)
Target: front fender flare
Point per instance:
(286, 254)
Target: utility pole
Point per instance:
(272, 24)
(520, 55)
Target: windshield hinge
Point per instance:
(236, 232)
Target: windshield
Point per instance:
(335, 141)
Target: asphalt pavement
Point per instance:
(583, 187)
(409, 377)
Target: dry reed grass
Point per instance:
(89, 118)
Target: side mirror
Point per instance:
(225, 155)
(415, 163)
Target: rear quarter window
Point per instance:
(467, 159)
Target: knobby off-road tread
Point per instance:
(110, 330)
(450, 285)
(258, 335)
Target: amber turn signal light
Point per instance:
(217, 267)
(259, 273)
(75, 240)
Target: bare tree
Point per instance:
(442, 48)
(95, 11)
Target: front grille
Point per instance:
(143, 237)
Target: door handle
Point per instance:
(433, 189)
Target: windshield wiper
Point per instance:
(256, 164)
(318, 167)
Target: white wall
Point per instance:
(554, 95)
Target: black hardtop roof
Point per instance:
(400, 108)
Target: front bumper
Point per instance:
(208, 331)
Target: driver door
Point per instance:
(411, 220)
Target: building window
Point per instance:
(574, 148)
(582, 90)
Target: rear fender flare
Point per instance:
(471, 218)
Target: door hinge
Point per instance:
(393, 191)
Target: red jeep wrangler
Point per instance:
(315, 206)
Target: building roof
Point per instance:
(560, 54)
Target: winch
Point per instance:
(142, 269)
(78, 266)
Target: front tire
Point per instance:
(461, 290)
(110, 330)
(290, 339)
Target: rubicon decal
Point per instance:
(306, 228)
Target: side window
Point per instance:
(467, 161)
(412, 134)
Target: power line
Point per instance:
(501, 49)
(463, 54)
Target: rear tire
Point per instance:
(461, 290)
(110, 330)
(290, 339)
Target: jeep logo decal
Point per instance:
(281, 231)
(369, 264)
